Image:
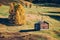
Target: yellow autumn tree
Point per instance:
(20, 15)
(17, 14)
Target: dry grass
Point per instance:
(24, 36)
(32, 17)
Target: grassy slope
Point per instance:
(4, 10)
(54, 24)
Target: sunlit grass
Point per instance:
(4, 10)
(53, 23)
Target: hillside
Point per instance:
(50, 14)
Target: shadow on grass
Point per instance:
(53, 12)
(55, 17)
(49, 5)
(5, 21)
(36, 28)
(31, 30)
